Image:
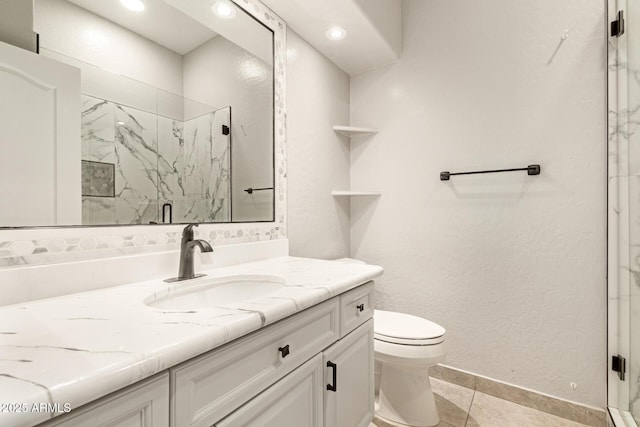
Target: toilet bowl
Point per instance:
(405, 347)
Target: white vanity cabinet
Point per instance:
(145, 404)
(334, 389)
(345, 398)
(348, 397)
(311, 369)
(208, 388)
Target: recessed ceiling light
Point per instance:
(135, 5)
(224, 9)
(336, 33)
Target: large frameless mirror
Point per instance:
(176, 115)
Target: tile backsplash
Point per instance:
(79, 244)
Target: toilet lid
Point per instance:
(406, 329)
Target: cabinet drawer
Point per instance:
(295, 401)
(209, 387)
(356, 307)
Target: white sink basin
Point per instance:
(215, 291)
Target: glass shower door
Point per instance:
(624, 212)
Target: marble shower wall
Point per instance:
(154, 161)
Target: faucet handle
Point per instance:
(188, 231)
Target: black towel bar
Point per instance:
(531, 170)
(251, 190)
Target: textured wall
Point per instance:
(318, 98)
(221, 73)
(513, 266)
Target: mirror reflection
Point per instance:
(176, 111)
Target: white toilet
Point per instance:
(405, 347)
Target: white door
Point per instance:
(39, 140)
(294, 401)
(348, 397)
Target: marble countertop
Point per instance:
(77, 348)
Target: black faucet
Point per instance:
(187, 248)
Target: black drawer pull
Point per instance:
(284, 351)
(333, 387)
(360, 307)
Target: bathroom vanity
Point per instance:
(297, 354)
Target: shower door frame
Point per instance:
(619, 277)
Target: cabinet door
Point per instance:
(294, 401)
(348, 396)
(145, 404)
(208, 388)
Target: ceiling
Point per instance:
(159, 22)
(374, 29)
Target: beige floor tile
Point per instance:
(453, 402)
(489, 411)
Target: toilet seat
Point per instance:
(405, 329)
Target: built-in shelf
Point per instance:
(339, 193)
(353, 131)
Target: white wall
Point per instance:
(317, 99)
(16, 23)
(386, 16)
(244, 82)
(513, 266)
(70, 30)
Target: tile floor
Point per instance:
(463, 407)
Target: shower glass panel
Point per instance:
(150, 156)
(624, 213)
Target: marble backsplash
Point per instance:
(154, 161)
(81, 244)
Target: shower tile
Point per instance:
(136, 211)
(629, 122)
(197, 210)
(633, 306)
(136, 152)
(170, 158)
(222, 210)
(98, 133)
(98, 179)
(98, 211)
(198, 159)
(633, 208)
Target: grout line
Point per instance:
(466, 421)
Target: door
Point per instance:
(43, 157)
(348, 397)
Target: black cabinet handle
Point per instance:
(360, 307)
(333, 387)
(284, 351)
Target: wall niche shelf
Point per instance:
(346, 193)
(352, 131)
